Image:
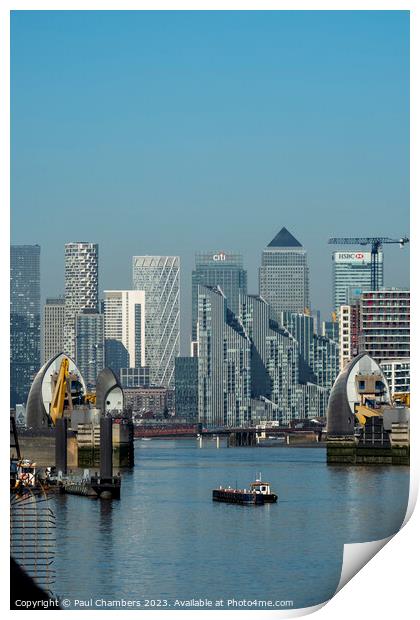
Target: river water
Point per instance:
(167, 541)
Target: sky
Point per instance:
(172, 132)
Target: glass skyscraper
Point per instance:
(284, 275)
(352, 270)
(224, 363)
(186, 388)
(25, 302)
(158, 277)
(222, 269)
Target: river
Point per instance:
(167, 541)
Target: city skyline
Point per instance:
(260, 144)
(186, 288)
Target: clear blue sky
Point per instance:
(172, 132)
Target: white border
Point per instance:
(386, 587)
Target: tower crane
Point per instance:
(376, 243)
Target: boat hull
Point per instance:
(232, 496)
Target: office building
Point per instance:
(224, 363)
(319, 354)
(81, 287)
(284, 275)
(124, 316)
(158, 277)
(90, 346)
(25, 305)
(186, 388)
(223, 269)
(53, 328)
(352, 272)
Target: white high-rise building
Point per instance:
(352, 275)
(53, 328)
(158, 277)
(125, 322)
(81, 287)
(284, 275)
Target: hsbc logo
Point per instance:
(345, 256)
(221, 256)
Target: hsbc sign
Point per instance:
(352, 256)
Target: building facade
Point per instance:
(348, 324)
(53, 328)
(186, 388)
(215, 268)
(224, 363)
(25, 319)
(135, 377)
(385, 323)
(274, 362)
(150, 401)
(158, 277)
(397, 373)
(81, 287)
(284, 275)
(124, 315)
(90, 346)
(352, 270)
(385, 332)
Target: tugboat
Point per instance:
(258, 493)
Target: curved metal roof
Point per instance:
(40, 394)
(106, 383)
(340, 410)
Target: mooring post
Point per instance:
(217, 441)
(201, 441)
(106, 447)
(61, 445)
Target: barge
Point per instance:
(259, 493)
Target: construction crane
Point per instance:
(376, 243)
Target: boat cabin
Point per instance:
(260, 487)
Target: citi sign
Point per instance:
(221, 256)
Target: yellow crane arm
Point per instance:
(57, 402)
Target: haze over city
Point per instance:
(176, 132)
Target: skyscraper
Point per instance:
(25, 302)
(158, 277)
(53, 327)
(90, 351)
(125, 324)
(284, 275)
(351, 270)
(222, 269)
(81, 287)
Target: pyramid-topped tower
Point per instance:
(284, 275)
(284, 239)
